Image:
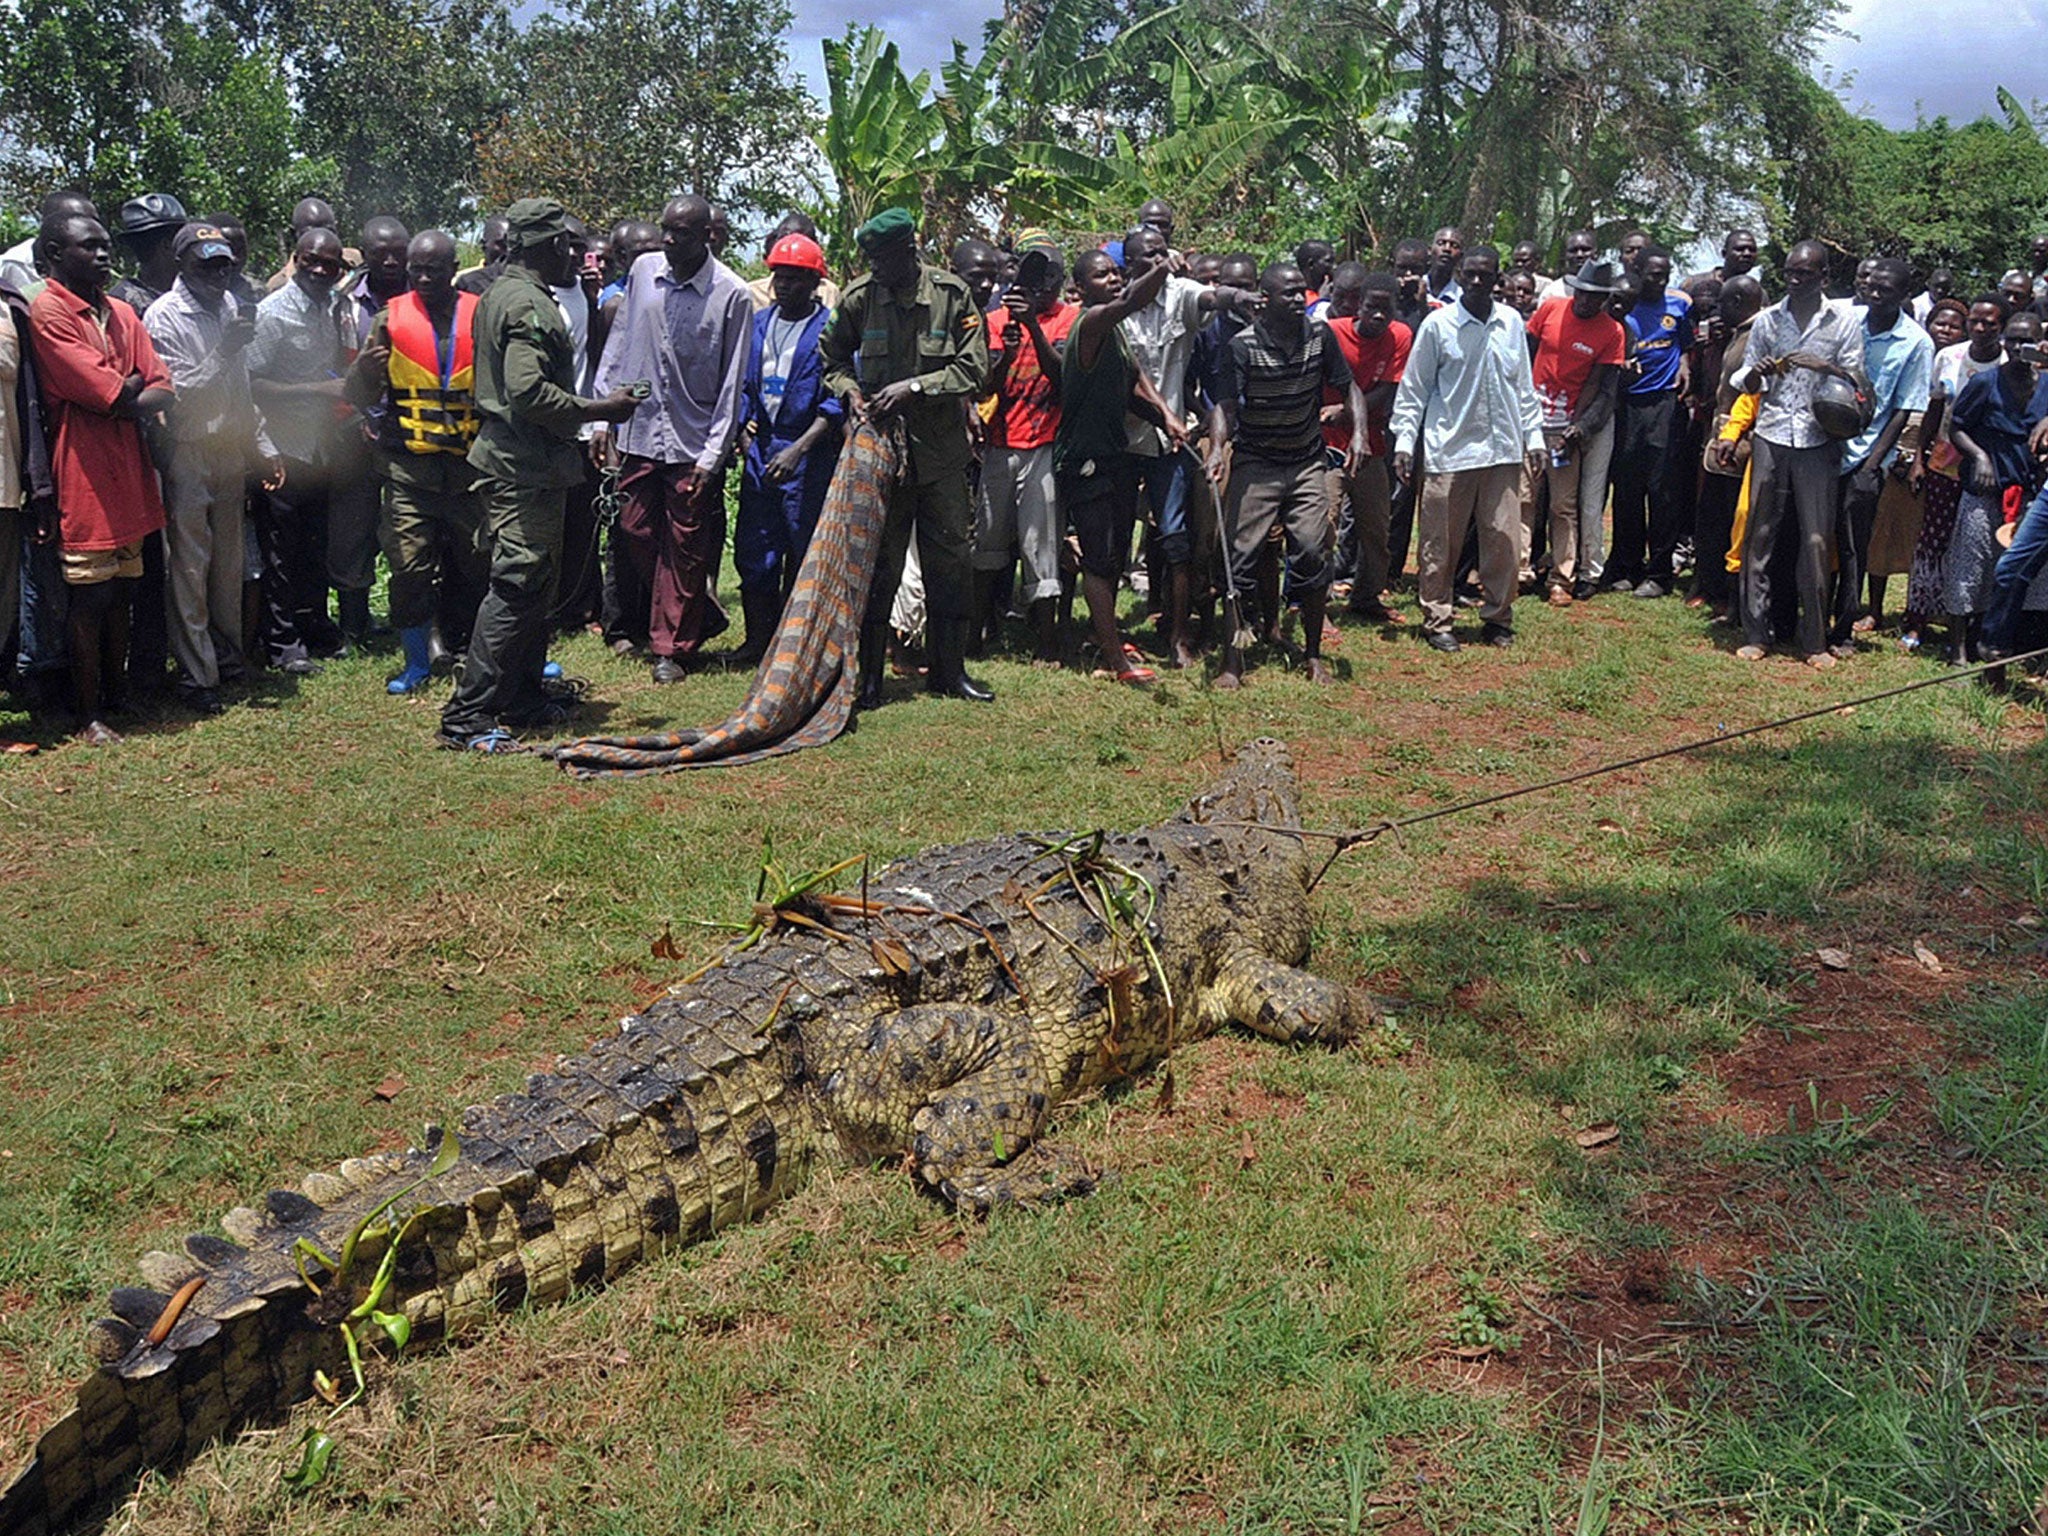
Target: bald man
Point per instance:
(312, 213)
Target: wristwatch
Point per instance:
(917, 386)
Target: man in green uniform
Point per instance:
(526, 456)
(907, 343)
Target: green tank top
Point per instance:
(1092, 403)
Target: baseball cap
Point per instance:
(208, 237)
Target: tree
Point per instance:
(1969, 198)
(981, 153)
(622, 103)
(393, 93)
(133, 97)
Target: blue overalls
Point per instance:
(775, 521)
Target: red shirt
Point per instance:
(1027, 411)
(1570, 348)
(1375, 362)
(107, 493)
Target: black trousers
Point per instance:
(1642, 489)
(1861, 489)
(1714, 526)
(1798, 487)
(295, 564)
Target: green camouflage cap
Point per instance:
(886, 227)
(536, 220)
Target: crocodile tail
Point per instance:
(660, 1135)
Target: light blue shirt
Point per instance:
(1468, 391)
(689, 340)
(1900, 365)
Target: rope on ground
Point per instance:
(1347, 838)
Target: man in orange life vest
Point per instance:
(414, 380)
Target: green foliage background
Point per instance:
(1262, 120)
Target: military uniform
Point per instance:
(526, 456)
(934, 334)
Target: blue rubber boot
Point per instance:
(418, 666)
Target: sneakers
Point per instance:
(1652, 587)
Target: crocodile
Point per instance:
(936, 1022)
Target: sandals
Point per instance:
(495, 742)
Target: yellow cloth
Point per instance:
(1741, 417)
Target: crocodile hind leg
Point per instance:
(961, 1089)
(1283, 1002)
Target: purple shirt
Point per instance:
(689, 340)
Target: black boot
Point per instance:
(948, 674)
(874, 661)
(763, 612)
(354, 603)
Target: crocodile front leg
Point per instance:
(1282, 1002)
(964, 1091)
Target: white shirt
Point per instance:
(10, 419)
(1162, 340)
(18, 265)
(1468, 391)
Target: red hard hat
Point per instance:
(798, 251)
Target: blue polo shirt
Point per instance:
(1900, 366)
(1660, 333)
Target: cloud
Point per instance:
(1906, 61)
(923, 33)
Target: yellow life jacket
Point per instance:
(434, 413)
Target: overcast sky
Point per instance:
(1897, 63)
(924, 33)
(1901, 63)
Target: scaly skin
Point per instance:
(713, 1104)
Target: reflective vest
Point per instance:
(433, 400)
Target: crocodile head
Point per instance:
(1259, 787)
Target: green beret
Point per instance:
(886, 227)
(535, 221)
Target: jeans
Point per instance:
(2017, 568)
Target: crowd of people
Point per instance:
(190, 464)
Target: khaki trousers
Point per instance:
(203, 549)
(1564, 521)
(1449, 504)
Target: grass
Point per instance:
(224, 937)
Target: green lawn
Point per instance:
(1385, 1289)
